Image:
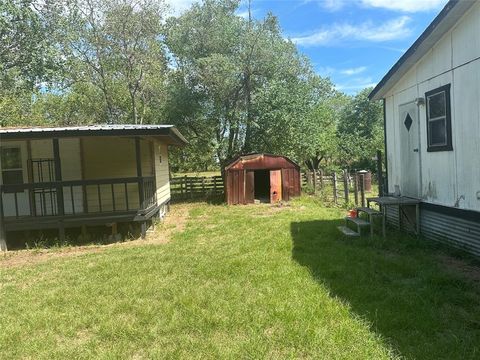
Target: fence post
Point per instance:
(355, 187)
(362, 188)
(183, 186)
(345, 186)
(321, 179)
(314, 182)
(203, 186)
(215, 185)
(3, 236)
(335, 188)
(191, 188)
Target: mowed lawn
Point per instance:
(247, 282)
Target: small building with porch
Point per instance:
(431, 100)
(87, 175)
(262, 178)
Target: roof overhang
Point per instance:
(445, 20)
(167, 133)
(248, 158)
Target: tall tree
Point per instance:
(115, 46)
(242, 79)
(28, 55)
(360, 131)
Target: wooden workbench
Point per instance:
(397, 201)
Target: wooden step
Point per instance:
(347, 231)
(369, 211)
(357, 221)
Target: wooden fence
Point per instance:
(191, 187)
(339, 188)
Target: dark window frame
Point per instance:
(448, 119)
(14, 170)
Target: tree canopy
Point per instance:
(231, 84)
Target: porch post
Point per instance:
(3, 237)
(138, 156)
(141, 194)
(59, 188)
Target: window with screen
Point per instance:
(12, 171)
(439, 127)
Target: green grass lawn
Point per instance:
(245, 282)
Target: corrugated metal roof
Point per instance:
(95, 130)
(445, 20)
(251, 156)
(82, 128)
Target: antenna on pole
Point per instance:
(249, 11)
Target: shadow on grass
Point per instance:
(49, 238)
(399, 286)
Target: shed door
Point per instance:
(250, 187)
(275, 185)
(409, 150)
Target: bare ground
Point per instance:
(174, 222)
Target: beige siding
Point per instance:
(162, 175)
(449, 178)
(114, 157)
(103, 158)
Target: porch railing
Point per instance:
(78, 197)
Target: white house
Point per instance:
(87, 175)
(431, 100)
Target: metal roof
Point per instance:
(169, 131)
(445, 20)
(251, 156)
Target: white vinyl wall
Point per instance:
(449, 178)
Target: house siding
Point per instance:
(114, 158)
(448, 178)
(453, 231)
(162, 173)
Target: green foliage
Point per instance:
(360, 132)
(231, 85)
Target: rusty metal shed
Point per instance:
(261, 177)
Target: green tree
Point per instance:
(238, 85)
(114, 47)
(360, 131)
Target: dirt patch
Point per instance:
(470, 271)
(161, 233)
(269, 210)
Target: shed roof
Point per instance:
(445, 20)
(261, 161)
(167, 132)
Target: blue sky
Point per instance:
(354, 42)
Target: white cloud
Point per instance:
(396, 5)
(390, 30)
(405, 5)
(355, 85)
(326, 70)
(179, 6)
(353, 71)
(333, 5)
(244, 13)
